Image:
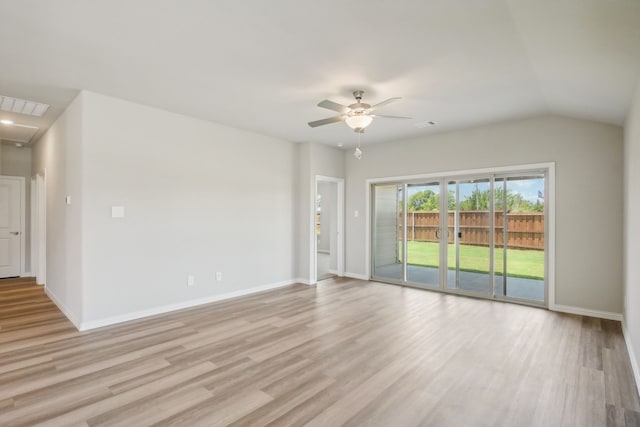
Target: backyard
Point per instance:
(525, 263)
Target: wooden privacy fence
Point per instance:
(524, 230)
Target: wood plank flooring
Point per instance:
(345, 352)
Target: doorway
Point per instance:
(482, 234)
(12, 243)
(328, 246)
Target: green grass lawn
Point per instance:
(520, 262)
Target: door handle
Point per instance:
(15, 233)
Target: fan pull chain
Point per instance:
(358, 152)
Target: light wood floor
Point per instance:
(346, 352)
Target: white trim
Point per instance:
(63, 309)
(632, 355)
(26, 274)
(311, 274)
(493, 170)
(356, 276)
(178, 306)
(341, 219)
(550, 219)
(32, 226)
(303, 281)
(586, 312)
(23, 219)
(367, 232)
(41, 245)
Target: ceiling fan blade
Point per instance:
(391, 117)
(385, 102)
(330, 105)
(330, 120)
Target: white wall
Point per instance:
(326, 161)
(588, 158)
(199, 198)
(313, 159)
(303, 224)
(632, 232)
(16, 161)
(59, 152)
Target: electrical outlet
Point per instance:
(191, 281)
(219, 275)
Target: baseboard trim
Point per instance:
(586, 312)
(84, 326)
(303, 281)
(632, 355)
(356, 276)
(26, 274)
(76, 322)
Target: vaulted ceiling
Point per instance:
(264, 65)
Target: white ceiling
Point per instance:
(264, 65)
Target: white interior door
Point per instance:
(10, 226)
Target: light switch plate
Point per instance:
(117, 211)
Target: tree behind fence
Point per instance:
(524, 230)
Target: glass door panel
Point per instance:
(472, 236)
(423, 233)
(388, 246)
(519, 250)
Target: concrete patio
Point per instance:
(527, 289)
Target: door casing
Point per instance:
(313, 250)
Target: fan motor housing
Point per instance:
(359, 106)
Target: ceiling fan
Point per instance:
(357, 116)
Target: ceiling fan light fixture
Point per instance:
(358, 121)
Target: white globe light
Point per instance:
(359, 121)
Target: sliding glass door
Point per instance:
(423, 234)
(470, 269)
(519, 250)
(479, 235)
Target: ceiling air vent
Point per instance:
(22, 106)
